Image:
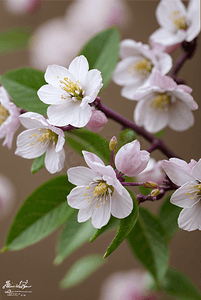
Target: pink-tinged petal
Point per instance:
(167, 38)
(78, 198)
(79, 68)
(121, 205)
(186, 98)
(184, 88)
(28, 146)
(166, 83)
(190, 218)
(180, 116)
(93, 161)
(100, 214)
(196, 170)
(181, 196)
(139, 112)
(178, 171)
(97, 121)
(155, 119)
(192, 163)
(112, 180)
(125, 73)
(50, 94)
(54, 161)
(84, 214)
(129, 91)
(54, 74)
(168, 49)
(164, 62)
(165, 10)
(80, 175)
(32, 120)
(93, 83)
(145, 156)
(193, 17)
(130, 47)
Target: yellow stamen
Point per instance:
(143, 67)
(73, 88)
(85, 194)
(4, 114)
(161, 102)
(100, 189)
(47, 135)
(178, 20)
(87, 187)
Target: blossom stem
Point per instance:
(132, 183)
(189, 50)
(156, 142)
(112, 158)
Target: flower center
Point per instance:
(178, 20)
(161, 102)
(4, 114)
(73, 88)
(142, 67)
(100, 189)
(47, 135)
(195, 190)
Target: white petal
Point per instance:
(85, 214)
(121, 205)
(27, 145)
(196, 170)
(177, 172)
(130, 47)
(129, 91)
(166, 38)
(164, 12)
(33, 120)
(52, 95)
(100, 214)
(54, 161)
(185, 97)
(80, 175)
(77, 198)
(54, 74)
(181, 197)
(91, 158)
(193, 16)
(165, 62)
(180, 116)
(79, 68)
(93, 83)
(190, 218)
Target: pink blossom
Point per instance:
(130, 285)
(168, 49)
(7, 196)
(137, 65)
(98, 193)
(164, 103)
(188, 196)
(153, 172)
(177, 23)
(9, 118)
(130, 160)
(97, 121)
(22, 6)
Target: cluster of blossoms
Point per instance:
(71, 93)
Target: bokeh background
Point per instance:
(136, 20)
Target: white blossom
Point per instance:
(41, 137)
(69, 92)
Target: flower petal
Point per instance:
(190, 218)
(196, 170)
(181, 196)
(54, 161)
(93, 83)
(79, 68)
(32, 120)
(50, 94)
(80, 175)
(84, 214)
(78, 198)
(164, 62)
(121, 205)
(90, 159)
(101, 214)
(186, 98)
(164, 37)
(54, 74)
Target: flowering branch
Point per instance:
(156, 142)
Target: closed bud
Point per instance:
(97, 121)
(113, 143)
(150, 185)
(155, 193)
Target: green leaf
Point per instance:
(39, 163)
(81, 270)
(73, 236)
(113, 222)
(126, 136)
(145, 191)
(148, 242)
(178, 285)
(102, 53)
(14, 39)
(22, 86)
(40, 214)
(168, 216)
(160, 133)
(125, 227)
(83, 139)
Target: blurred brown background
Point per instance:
(35, 263)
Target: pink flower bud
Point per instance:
(97, 121)
(130, 160)
(22, 6)
(113, 143)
